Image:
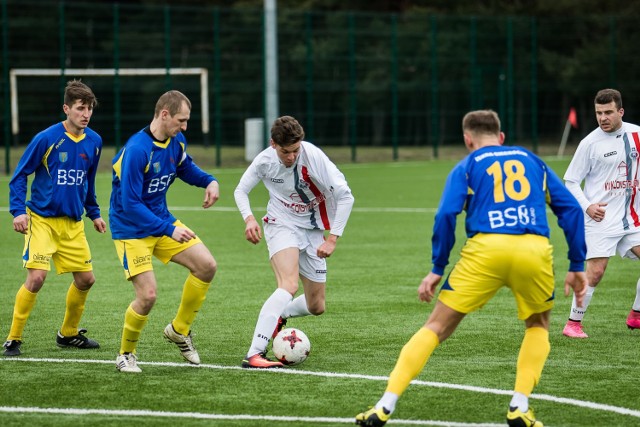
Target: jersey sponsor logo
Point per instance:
(71, 177)
(160, 184)
(622, 184)
(277, 180)
(63, 156)
(511, 217)
(611, 153)
(300, 208)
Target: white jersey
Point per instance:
(608, 164)
(311, 194)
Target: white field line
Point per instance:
(547, 397)
(236, 417)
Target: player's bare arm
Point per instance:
(182, 235)
(428, 286)
(328, 246)
(252, 231)
(20, 223)
(576, 280)
(99, 225)
(211, 194)
(597, 211)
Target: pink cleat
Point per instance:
(633, 320)
(573, 329)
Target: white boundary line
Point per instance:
(547, 397)
(215, 209)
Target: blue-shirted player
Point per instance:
(63, 159)
(505, 191)
(142, 226)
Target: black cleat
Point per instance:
(12, 348)
(77, 341)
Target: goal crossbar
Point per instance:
(48, 72)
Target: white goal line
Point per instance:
(48, 72)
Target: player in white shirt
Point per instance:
(307, 195)
(607, 160)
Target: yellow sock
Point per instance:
(533, 354)
(73, 312)
(194, 293)
(413, 357)
(25, 301)
(133, 325)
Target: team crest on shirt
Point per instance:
(156, 167)
(303, 184)
(63, 156)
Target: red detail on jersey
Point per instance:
(84, 157)
(634, 214)
(322, 207)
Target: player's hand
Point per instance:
(252, 231)
(182, 235)
(21, 223)
(576, 280)
(428, 286)
(99, 225)
(597, 211)
(211, 194)
(328, 246)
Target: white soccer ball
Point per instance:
(291, 346)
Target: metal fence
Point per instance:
(352, 79)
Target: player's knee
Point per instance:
(317, 308)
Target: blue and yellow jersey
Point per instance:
(143, 171)
(505, 190)
(65, 168)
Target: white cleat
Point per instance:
(127, 362)
(184, 343)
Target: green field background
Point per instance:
(372, 310)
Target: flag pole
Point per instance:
(565, 137)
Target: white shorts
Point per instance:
(606, 245)
(310, 265)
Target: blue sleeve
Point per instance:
(29, 162)
(191, 173)
(134, 162)
(91, 202)
(570, 218)
(451, 204)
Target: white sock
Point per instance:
(577, 313)
(296, 308)
(636, 303)
(268, 319)
(388, 401)
(520, 401)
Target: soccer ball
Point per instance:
(291, 346)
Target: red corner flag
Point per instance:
(573, 118)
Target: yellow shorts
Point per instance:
(523, 263)
(61, 239)
(135, 254)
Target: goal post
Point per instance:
(106, 72)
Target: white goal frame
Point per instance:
(72, 72)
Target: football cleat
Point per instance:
(373, 417)
(77, 341)
(633, 320)
(127, 362)
(12, 348)
(260, 361)
(184, 343)
(282, 322)
(517, 418)
(573, 329)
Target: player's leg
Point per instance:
(633, 319)
(39, 247)
(24, 302)
(74, 256)
(413, 357)
(285, 268)
(595, 271)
